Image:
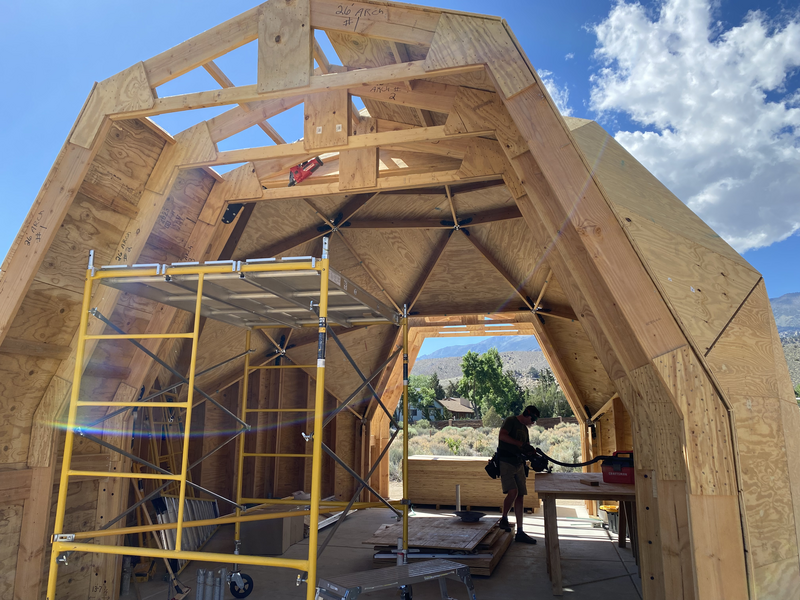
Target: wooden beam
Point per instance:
(33, 348)
(436, 255)
(544, 289)
(319, 83)
(402, 23)
(246, 115)
(605, 408)
(426, 95)
(202, 48)
(491, 216)
(369, 140)
(395, 182)
(213, 69)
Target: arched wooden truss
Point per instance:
(463, 194)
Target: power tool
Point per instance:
(304, 170)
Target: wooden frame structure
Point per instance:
(463, 194)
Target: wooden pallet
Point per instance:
(448, 533)
(481, 563)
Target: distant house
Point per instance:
(459, 408)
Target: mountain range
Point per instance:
(520, 353)
(787, 313)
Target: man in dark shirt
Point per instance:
(513, 442)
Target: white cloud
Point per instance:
(714, 138)
(569, 56)
(560, 95)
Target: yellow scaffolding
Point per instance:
(64, 543)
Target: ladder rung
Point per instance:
(263, 455)
(102, 474)
(131, 404)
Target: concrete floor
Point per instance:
(592, 564)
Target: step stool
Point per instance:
(351, 586)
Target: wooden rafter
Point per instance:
(452, 205)
(368, 140)
(385, 184)
(213, 69)
(319, 83)
(492, 216)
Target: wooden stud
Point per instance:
(359, 168)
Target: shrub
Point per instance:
(422, 424)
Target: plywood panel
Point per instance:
(632, 187)
(182, 207)
(354, 266)
(88, 225)
(10, 526)
(511, 244)
(454, 43)
(359, 168)
(326, 120)
(396, 258)
(73, 579)
(433, 480)
(123, 163)
(48, 314)
(275, 223)
(216, 470)
(778, 580)
(581, 362)
(790, 420)
(465, 281)
(23, 381)
(742, 359)
(410, 207)
(709, 452)
(284, 45)
(765, 481)
(367, 346)
(703, 287)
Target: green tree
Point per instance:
(548, 397)
(486, 385)
(436, 386)
(451, 391)
(421, 395)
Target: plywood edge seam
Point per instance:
(733, 316)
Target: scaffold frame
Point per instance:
(202, 278)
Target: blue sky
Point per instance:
(705, 95)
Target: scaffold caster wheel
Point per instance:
(244, 591)
(405, 592)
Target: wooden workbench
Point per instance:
(552, 486)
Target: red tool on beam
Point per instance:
(304, 170)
